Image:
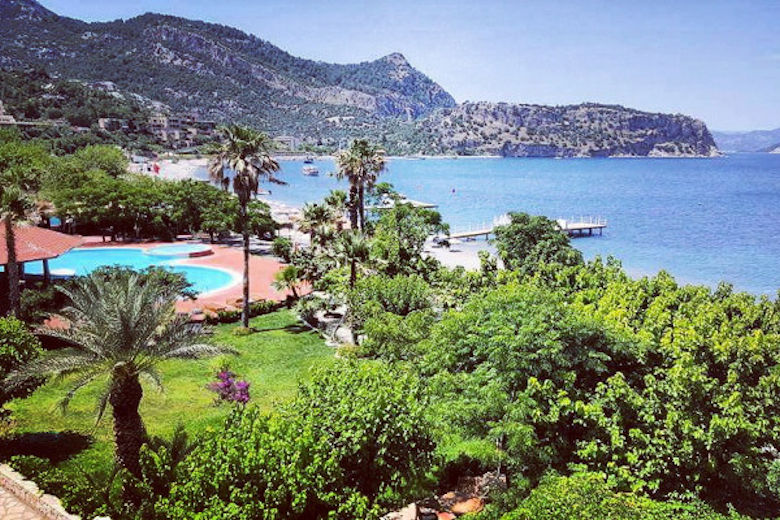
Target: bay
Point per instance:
(703, 220)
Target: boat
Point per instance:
(311, 171)
(308, 160)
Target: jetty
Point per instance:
(390, 204)
(582, 225)
(573, 227)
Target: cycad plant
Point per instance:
(247, 153)
(119, 328)
(361, 165)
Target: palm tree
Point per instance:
(247, 153)
(288, 279)
(361, 165)
(15, 203)
(121, 326)
(352, 249)
(315, 218)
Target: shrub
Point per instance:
(282, 247)
(229, 389)
(17, 347)
(354, 440)
(589, 496)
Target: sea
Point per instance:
(702, 220)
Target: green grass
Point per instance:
(273, 360)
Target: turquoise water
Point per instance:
(178, 250)
(704, 220)
(84, 261)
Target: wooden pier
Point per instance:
(573, 227)
(582, 226)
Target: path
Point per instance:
(11, 508)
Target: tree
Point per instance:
(21, 165)
(315, 219)
(527, 240)
(246, 152)
(288, 279)
(361, 165)
(352, 249)
(121, 325)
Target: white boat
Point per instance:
(311, 171)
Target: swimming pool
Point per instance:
(82, 261)
(181, 250)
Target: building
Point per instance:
(112, 124)
(288, 142)
(179, 130)
(6, 119)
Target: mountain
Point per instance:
(754, 141)
(775, 148)
(228, 75)
(587, 130)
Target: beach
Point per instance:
(465, 254)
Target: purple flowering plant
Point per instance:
(230, 389)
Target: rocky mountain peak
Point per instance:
(24, 10)
(397, 59)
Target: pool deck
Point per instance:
(261, 273)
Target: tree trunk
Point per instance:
(353, 207)
(361, 206)
(12, 268)
(129, 431)
(245, 232)
(46, 272)
(352, 273)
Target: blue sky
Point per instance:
(713, 59)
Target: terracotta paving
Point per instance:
(11, 508)
(261, 273)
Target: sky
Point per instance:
(716, 60)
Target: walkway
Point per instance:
(11, 508)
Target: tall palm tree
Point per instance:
(121, 326)
(315, 219)
(361, 165)
(246, 152)
(15, 203)
(352, 249)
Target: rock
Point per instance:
(472, 505)
(482, 485)
(407, 513)
(426, 513)
(445, 516)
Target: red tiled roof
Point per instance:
(36, 243)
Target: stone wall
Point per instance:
(47, 506)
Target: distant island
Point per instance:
(172, 66)
(752, 141)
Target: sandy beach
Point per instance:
(465, 254)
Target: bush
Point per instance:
(17, 347)
(282, 247)
(588, 496)
(258, 308)
(353, 441)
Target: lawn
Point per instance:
(273, 359)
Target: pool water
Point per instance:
(183, 250)
(82, 261)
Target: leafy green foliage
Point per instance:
(530, 240)
(589, 496)
(335, 452)
(18, 346)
